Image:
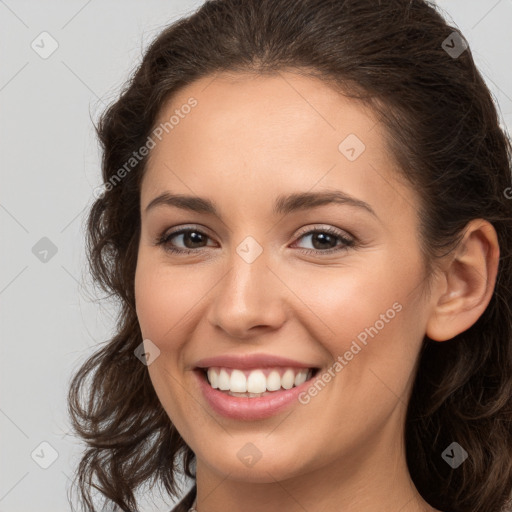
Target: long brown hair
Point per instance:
(443, 130)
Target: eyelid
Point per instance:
(186, 227)
(302, 231)
(324, 227)
(348, 240)
(180, 230)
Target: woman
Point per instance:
(306, 218)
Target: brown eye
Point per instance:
(327, 240)
(192, 239)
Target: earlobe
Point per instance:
(469, 281)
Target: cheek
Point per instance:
(164, 298)
(375, 323)
(352, 299)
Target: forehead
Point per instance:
(255, 134)
(275, 110)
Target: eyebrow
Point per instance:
(284, 204)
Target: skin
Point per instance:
(248, 140)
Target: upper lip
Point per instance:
(250, 361)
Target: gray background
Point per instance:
(49, 160)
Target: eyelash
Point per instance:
(165, 238)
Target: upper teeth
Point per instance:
(258, 380)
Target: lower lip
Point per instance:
(245, 408)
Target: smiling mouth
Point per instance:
(257, 382)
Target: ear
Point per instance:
(467, 282)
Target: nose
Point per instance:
(248, 300)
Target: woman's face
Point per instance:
(278, 267)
